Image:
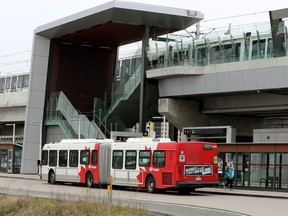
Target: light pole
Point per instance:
(13, 137)
(164, 124)
(40, 144)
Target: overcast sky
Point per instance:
(19, 18)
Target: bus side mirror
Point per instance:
(38, 163)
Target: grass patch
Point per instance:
(28, 206)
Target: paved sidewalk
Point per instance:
(247, 192)
(219, 190)
(21, 176)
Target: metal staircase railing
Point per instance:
(120, 92)
(60, 111)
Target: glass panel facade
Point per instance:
(257, 170)
(281, 170)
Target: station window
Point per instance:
(14, 83)
(144, 158)
(94, 157)
(117, 162)
(8, 81)
(84, 156)
(53, 158)
(73, 158)
(44, 158)
(2, 84)
(130, 160)
(25, 81)
(63, 158)
(159, 158)
(20, 81)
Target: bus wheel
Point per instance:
(52, 177)
(150, 184)
(89, 180)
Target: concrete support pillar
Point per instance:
(144, 82)
(180, 112)
(187, 113)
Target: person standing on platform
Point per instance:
(229, 175)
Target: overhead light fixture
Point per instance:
(192, 13)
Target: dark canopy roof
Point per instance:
(117, 23)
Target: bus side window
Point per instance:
(117, 160)
(63, 158)
(130, 160)
(44, 158)
(53, 158)
(94, 157)
(73, 158)
(84, 156)
(159, 158)
(144, 158)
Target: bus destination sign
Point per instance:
(196, 170)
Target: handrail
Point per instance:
(238, 45)
(123, 92)
(79, 123)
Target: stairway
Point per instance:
(61, 112)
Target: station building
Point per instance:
(13, 100)
(230, 88)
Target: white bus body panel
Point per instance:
(128, 177)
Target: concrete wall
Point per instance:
(187, 113)
(12, 114)
(270, 135)
(12, 99)
(226, 78)
(54, 134)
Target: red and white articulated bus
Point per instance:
(154, 164)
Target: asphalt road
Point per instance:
(170, 203)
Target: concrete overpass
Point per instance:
(239, 94)
(242, 94)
